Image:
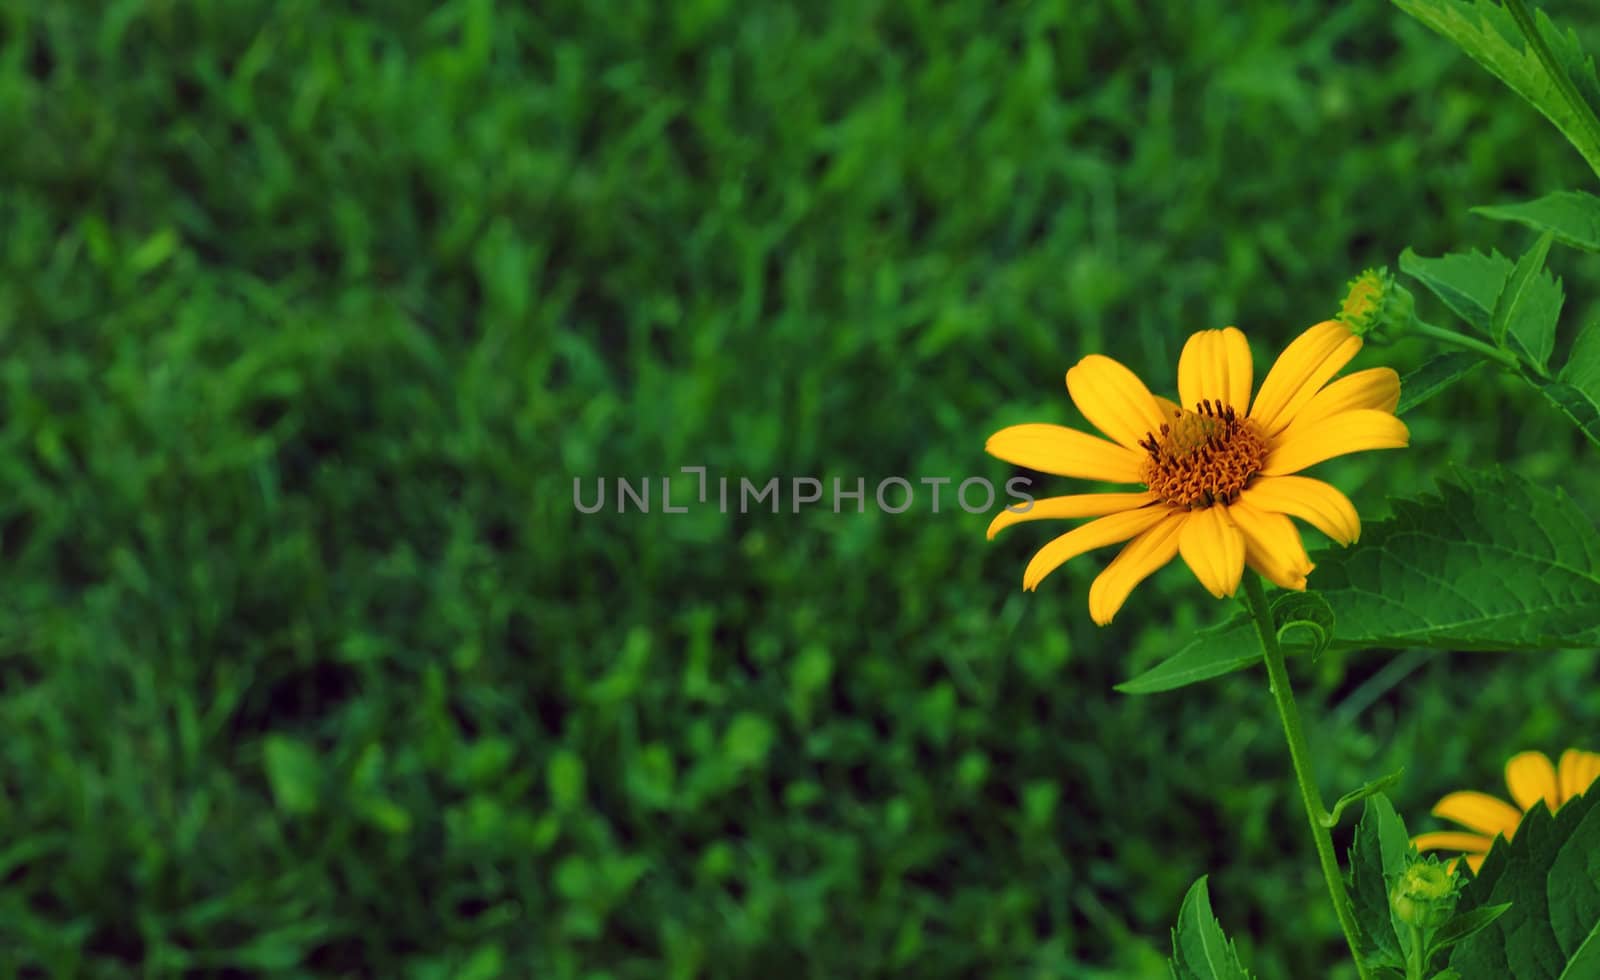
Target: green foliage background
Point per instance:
(312, 313)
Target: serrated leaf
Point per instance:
(1578, 405)
(1489, 35)
(1200, 949)
(1377, 853)
(1492, 562)
(1532, 872)
(1572, 216)
(1212, 652)
(1529, 305)
(1435, 376)
(1464, 924)
(1582, 369)
(1468, 283)
(1576, 391)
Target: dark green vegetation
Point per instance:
(309, 666)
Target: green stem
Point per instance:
(1414, 958)
(1588, 136)
(1467, 343)
(1300, 754)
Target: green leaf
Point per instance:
(385, 814)
(277, 950)
(748, 739)
(1468, 283)
(1492, 562)
(1357, 795)
(1545, 873)
(1582, 369)
(486, 963)
(1572, 216)
(1528, 306)
(1303, 622)
(1489, 35)
(155, 250)
(293, 772)
(1212, 652)
(1200, 950)
(565, 778)
(1464, 924)
(1435, 376)
(1376, 855)
(1576, 391)
(1586, 962)
(1579, 405)
(1573, 886)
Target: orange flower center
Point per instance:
(1203, 457)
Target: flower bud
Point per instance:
(1424, 894)
(1375, 303)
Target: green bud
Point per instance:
(1424, 894)
(1375, 304)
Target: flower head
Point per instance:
(1217, 468)
(1424, 894)
(1373, 301)
(1531, 778)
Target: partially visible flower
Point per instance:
(1217, 469)
(1373, 301)
(1531, 778)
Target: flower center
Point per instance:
(1203, 457)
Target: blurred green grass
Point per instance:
(313, 313)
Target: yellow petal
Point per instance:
(1531, 778)
(1347, 432)
(1272, 546)
(1591, 772)
(1215, 366)
(1480, 811)
(1452, 840)
(1076, 505)
(1577, 772)
(1313, 501)
(1096, 534)
(1213, 548)
(1065, 452)
(1114, 399)
(1303, 367)
(1375, 388)
(1475, 861)
(1169, 408)
(1133, 564)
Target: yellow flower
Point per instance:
(1218, 480)
(1531, 778)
